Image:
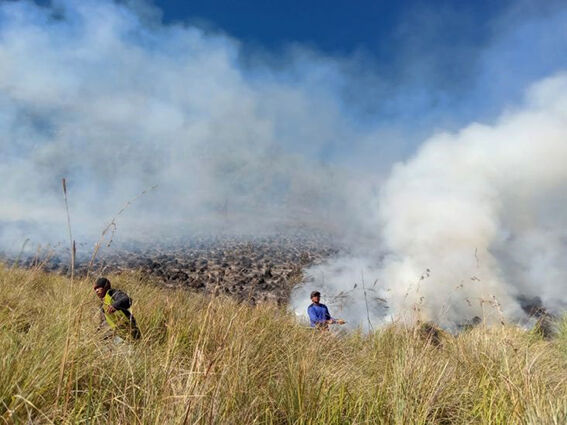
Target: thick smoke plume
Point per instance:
(473, 221)
(483, 209)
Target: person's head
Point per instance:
(101, 286)
(315, 297)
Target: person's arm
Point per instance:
(328, 317)
(332, 320)
(121, 301)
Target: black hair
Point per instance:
(102, 282)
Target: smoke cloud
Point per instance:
(473, 221)
(93, 92)
(105, 94)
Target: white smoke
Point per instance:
(92, 92)
(474, 220)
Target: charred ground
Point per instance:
(252, 269)
(249, 269)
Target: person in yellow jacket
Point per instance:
(115, 310)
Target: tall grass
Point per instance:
(213, 361)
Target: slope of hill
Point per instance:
(212, 360)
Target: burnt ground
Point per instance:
(250, 269)
(253, 270)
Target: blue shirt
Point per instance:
(318, 313)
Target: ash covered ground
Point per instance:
(251, 269)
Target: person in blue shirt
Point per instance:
(319, 316)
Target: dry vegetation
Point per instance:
(211, 360)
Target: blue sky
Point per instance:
(333, 26)
(402, 70)
(384, 33)
(438, 63)
(446, 61)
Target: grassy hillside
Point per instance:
(213, 361)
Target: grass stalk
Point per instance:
(71, 240)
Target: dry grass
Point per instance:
(213, 361)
